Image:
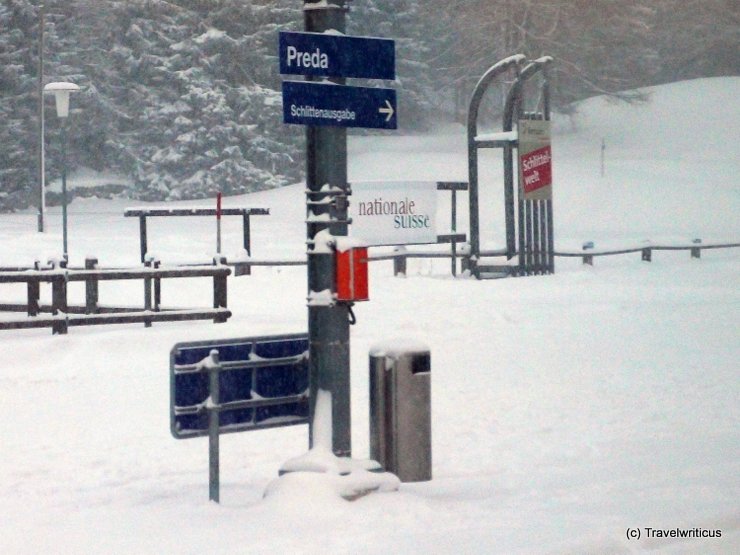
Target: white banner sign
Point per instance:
(394, 212)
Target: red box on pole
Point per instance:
(351, 275)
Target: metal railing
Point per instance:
(401, 255)
(588, 253)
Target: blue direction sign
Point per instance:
(309, 103)
(263, 383)
(323, 55)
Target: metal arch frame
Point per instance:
(535, 244)
(512, 110)
(473, 110)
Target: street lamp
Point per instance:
(61, 96)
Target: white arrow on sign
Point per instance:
(388, 110)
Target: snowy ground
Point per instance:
(566, 409)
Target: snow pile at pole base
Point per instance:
(322, 471)
(297, 485)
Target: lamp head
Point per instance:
(61, 95)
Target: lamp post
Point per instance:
(42, 125)
(61, 96)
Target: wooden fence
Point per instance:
(63, 315)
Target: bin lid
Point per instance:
(398, 347)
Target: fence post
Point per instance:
(142, 237)
(454, 258)
(91, 287)
(453, 221)
(34, 290)
(696, 251)
(59, 302)
(157, 288)
(148, 292)
(399, 261)
(33, 297)
(647, 254)
(588, 258)
(219, 290)
(465, 264)
(245, 269)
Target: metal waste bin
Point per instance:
(401, 409)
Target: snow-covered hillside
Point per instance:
(567, 409)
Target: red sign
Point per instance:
(351, 275)
(537, 169)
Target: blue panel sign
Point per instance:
(263, 383)
(322, 55)
(308, 103)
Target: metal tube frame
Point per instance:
(535, 220)
(534, 232)
(481, 87)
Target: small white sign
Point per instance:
(394, 212)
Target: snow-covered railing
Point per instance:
(588, 253)
(63, 315)
(148, 212)
(399, 256)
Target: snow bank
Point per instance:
(567, 409)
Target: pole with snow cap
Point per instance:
(328, 322)
(218, 223)
(42, 126)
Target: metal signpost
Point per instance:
(237, 385)
(323, 51)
